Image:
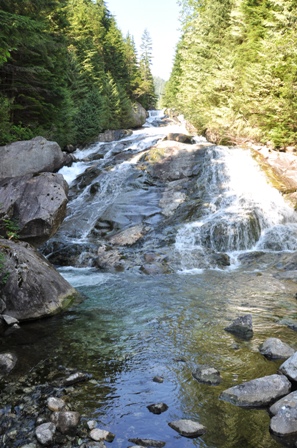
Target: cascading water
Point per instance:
(132, 327)
(240, 212)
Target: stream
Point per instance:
(132, 327)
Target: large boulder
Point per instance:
(31, 156)
(30, 287)
(137, 116)
(35, 203)
(260, 392)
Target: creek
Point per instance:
(132, 327)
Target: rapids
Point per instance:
(132, 327)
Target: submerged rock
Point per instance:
(157, 408)
(66, 422)
(260, 392)
(274, 348)
(31, 288)
(242, 327)
(188, 428)
(148, 442)
(45, 433)
(207, 375)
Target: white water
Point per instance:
(241, 212)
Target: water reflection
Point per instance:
(134, 327)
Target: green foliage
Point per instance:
(4, 275)
(235, 73)
(66, 72)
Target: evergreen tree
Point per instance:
(146, 90)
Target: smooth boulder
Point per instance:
(30, 157)
(36, 204)
(289, 401)
(260, 392)
(274, 348)
(289, 367)
(30, 287)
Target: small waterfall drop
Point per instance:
(240, 212)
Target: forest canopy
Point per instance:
(66, 71)
(235, 70)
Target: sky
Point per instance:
(160, 18)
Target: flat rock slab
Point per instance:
(274, 348)
(284, 423)
(207, 375)
(289, 401)
(289, 367)
(260, 392)
(242, 327)
(188, 428)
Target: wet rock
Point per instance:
(30, 157)
(242, 327)
(45, 433)
(9, 320)
(157, 408)
(274, 348)
(188, 428)
(7, 363)
(78, 377)
(289, 401)
(93, 445)
(207, 375)
(111, 135)
(158, 379)
(289, 367)
(128, 236)
(260, 392)
(33, 288)
(148, 442)
(178, 137)
(84, 179)
(108, 257)
(101, 434)
(37, 203)
(91, 424)
(55, 404)
(66, 422)
(284, 423)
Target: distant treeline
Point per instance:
(66, 72)
(235, 70)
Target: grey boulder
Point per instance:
(30, 157)
(289, 367)
(30, 287)
(188, 428)
(260, 392)
(274, 348)
(36, 204)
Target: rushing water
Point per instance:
(132, 327)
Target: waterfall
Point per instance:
(240, 212)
